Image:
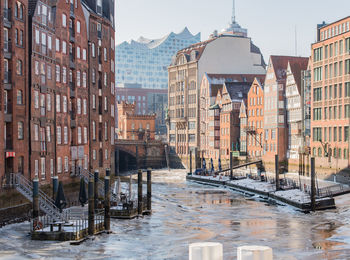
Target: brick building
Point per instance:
(47, 97)
(133, 126)
(211, 84)
(330, 80)
(148, 101)
(275, 122)
(294, 107)
(101, 52)
(254, 128)
(13, 89)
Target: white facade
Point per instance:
(146, 61)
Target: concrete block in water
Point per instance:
(254, 253)
(206, 251)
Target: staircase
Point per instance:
(87, 175)
(46, 204)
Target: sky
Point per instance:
(272, 24)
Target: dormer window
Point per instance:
(99, 7)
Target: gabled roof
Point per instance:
(297, 68)
(238, 90)
(243, 109)
(280, 64)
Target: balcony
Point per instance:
(8, 112)
(7, 50)
(71, 61)
(99, 84)
(72, 89)
(71, 35)
(72, 15)
(8, 144)
(7, 17)
(99, 59)
(73, 123)
(100, 109)
(7, 80)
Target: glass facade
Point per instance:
(146, 61)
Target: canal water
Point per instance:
(184, 213)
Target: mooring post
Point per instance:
(35, 198)
(191, 162)
(107, 204)
(137, 157)
(117, 168)
(277, 173)
(96, 178)
(149, 190)
(91, 219)
(313, 185)
(139, 192)
(54, 187)
(231, 166)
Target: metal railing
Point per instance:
(46, 204)
(87, 175)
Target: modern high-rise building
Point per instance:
(230, 52)
(146, 61)
(330, 90)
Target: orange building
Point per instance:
(132, 126)
(330, 104)
(255, 123)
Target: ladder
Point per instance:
(87, 175)
(25, 187)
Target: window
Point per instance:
(48, 102)
(48, 133)
(42, 166)
(93, 102)
(36, 167)
(105, 79)
(79, 135)
(19, 69)
(64, 104)
(49, 42)
(36, 99)
(85, 135)
(58, 103)
(84, 79)
(78, 52)
(78, 106)
(106, 104)
(59, 165)
(19, 97)
(64, 47)
(84, 54)
(57, 44)
(49, 72)
(93, 54)
(64, 75)
(64, 20)
(93, 130)
(84, 107)
(58, 75)
(105, 54)
(78, 78)
(37, 36)
(20, 131)
(93, 76)
(59, 135)
(106, 131)
(78, 26)
(65, 135)
(66, 164)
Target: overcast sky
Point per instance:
(271, 23)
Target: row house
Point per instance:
(294, 106)
(252, 121)
(211, 84)
(275, 121)
(13, 87)
(101, 53)
(330, 82)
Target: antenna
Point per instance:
(233, 12)
(296, 41)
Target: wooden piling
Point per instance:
(54, 187)
(35, 198)
(96, 178)
(190, 163)
(149, 190)
(91, 219)
(277, 174)
(139, 192)
(231, 165)
(313, 185)
(107, 205)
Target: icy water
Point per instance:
(184, 213)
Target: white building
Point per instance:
(146, 61)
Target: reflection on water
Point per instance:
(185, 213)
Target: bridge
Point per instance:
(134, 154)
